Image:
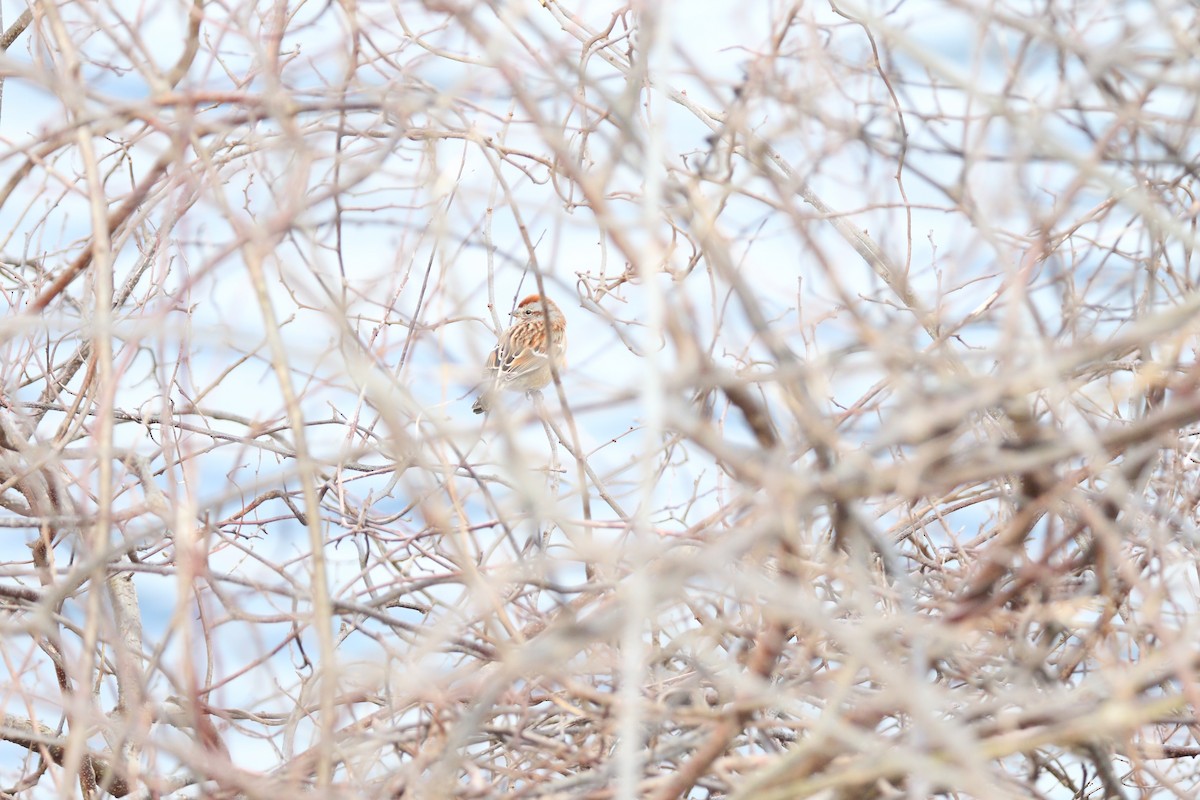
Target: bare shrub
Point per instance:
(870, 473)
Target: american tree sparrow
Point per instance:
(521, 360)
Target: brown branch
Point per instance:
(115, 221)
(95, 769)
(16, 29)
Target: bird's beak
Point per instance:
(513, 313)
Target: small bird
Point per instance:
(521, 360)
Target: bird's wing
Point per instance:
(508, 364)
